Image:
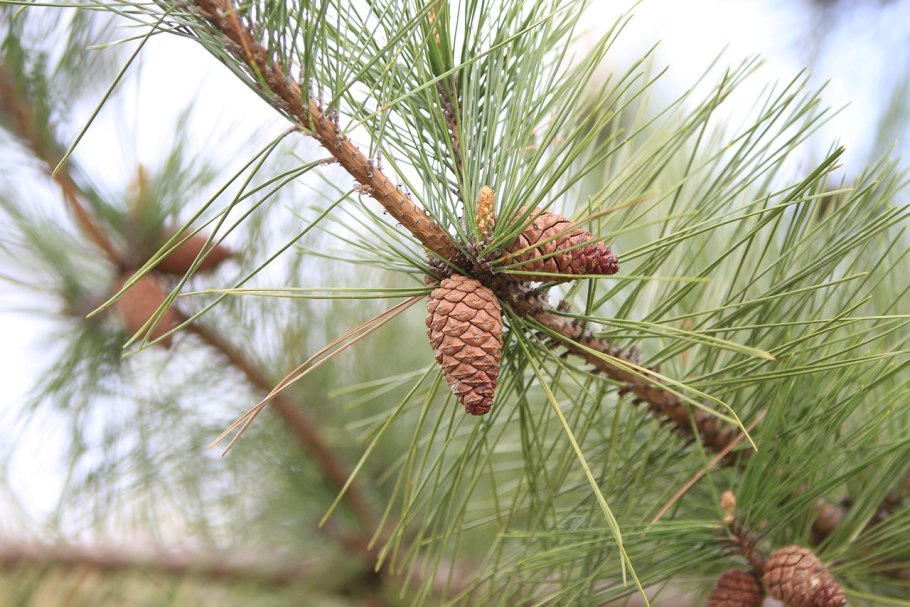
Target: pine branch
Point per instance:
(662, 404)
(297, 421)
(287, 93)
(222, 15)
(23, 122)
(233, 566)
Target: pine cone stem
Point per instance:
(287, 93)
(747, 545)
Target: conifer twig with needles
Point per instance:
(23, 121)
(222, 15)
(296, 420)
(272, 79)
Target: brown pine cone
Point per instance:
(464, 322)
(139, 303)
(179, 261)
(737, 588)
(795, 576)
(551, 238)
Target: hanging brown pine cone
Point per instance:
(464, 322)
(181, 259)
(795, 576)
(546, 246)
(737, 588)
(140, 302)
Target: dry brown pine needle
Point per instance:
(795, 576)
(547, 246)
(464, 323)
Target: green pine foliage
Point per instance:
(768, 293)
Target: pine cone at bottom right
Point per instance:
(737, 588)
(795, 576)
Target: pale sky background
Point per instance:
(859, 54)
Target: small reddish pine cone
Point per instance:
(179, 261)
(547, 246)
(795, 576)
(464, 323)
(140, 302)
(737, 588)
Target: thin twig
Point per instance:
(314, 362)
(234, 566)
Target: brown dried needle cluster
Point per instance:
(137, 305)
(556, 245)
(179, 261)
(737, 588)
